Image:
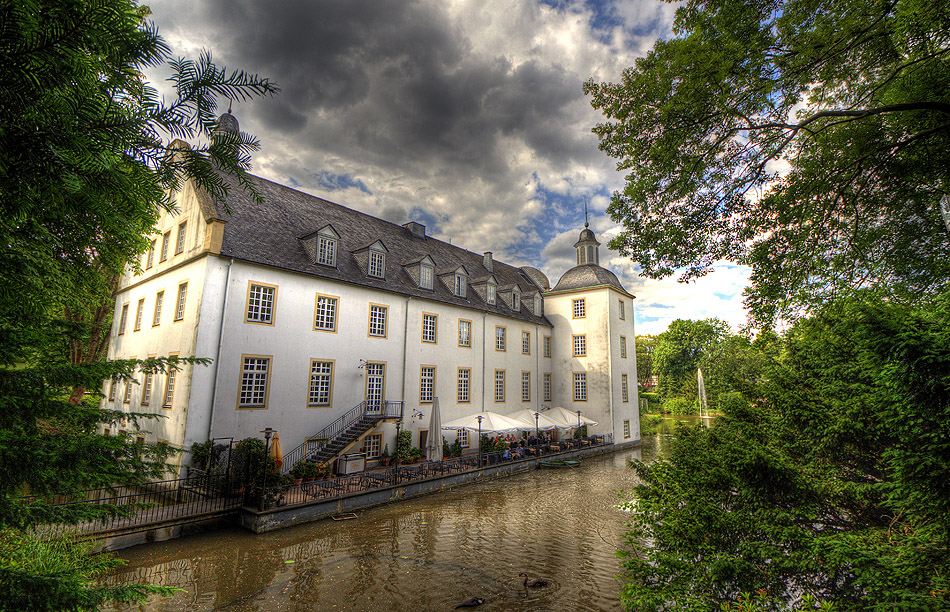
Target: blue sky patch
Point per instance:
(334, 182)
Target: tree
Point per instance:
(851, 98)
(832, 481)
(645, 347)
(85, 170)
(681, 350)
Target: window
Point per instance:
(147, 386)
(139, 312)
(170, 385)
(326, 251)
(150, 258)
(180, 242)
(626, 428)
(516, 301)
(579, 308)
(321, 383)
(580, 345)
(465, 333)
(180, 307)
(324, 313)
(547, 387)
(460, 285)
(377, 320)
(526, 386)
(372, 444)
(377, 264)
(426, 384)
(622, 313)
(525, 343)
(623, 347)
(580, 386)
(547, 346)
(123, 318)
(254, 382)
(463, 438)
(499, 338)
(499, 385)
(464, 383)
(260, 304)
(490, 294)
(426, 277)
(157, 315)
(127, 397)
(624, 395)
(166, 237)
(112, 390)
(430, 327)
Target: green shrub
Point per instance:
(732, 403)
(679, 405)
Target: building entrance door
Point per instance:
(375, 385)
(423, 438)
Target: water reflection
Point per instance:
(425, 554)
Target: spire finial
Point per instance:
(229, 106)
(585, 214)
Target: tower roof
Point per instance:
(588, 275)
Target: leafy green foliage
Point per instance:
(851, 97)
(831, 480)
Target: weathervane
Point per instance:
(585, 214)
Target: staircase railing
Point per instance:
(373, 411)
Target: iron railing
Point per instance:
(372, 412)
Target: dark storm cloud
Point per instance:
(394, 82)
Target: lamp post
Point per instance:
(578, 419)
(479, 419)
(396, 464)
(268, 434)
(536, 429)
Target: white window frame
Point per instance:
(516, 301)
(463, 387)
(525, 386)
(626, 428)
(547, 346)
(623, 347)
(377, 264)
(430, 328)
(182, 298)
(491, 294)
(624, 389)
(254, 387)
(168, 396)
(261, 304)
(525, 342)
(426, 276)
(463, 438)
(460, 282)
(426, 384)
(579, 308)
(123, 319)
(320, 387)
(325, 309)
(580, 386)
(166, 238)
(159, 303)
(622, 309)
(326, 250)
(547, 387)
(150, 258)
(139, 314)
(501, 339)
(372, 444)
(499, 386)
(378, 313)
(579, 345)
(180, 241)
(465, 339)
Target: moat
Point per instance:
(424, 554)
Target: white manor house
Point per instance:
(313, 312)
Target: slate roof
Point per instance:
(268, 234)
(588, 275)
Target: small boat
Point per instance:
(567, 463)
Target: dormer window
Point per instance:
(460, 283)
(538, 305)
(516, 301)
(377, 264)
(426, 276)
(491, 294)
(326, 251)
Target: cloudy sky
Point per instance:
(466, 116)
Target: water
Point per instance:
(426, 554)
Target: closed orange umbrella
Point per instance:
(275, 452)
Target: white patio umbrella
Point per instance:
(543, 423)
(489, 422)
(568, 418)
(434, 443)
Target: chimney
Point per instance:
(416, 229)
(487, 261)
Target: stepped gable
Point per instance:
(269, 234)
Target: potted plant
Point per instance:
(299, 471)
(321, 470)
